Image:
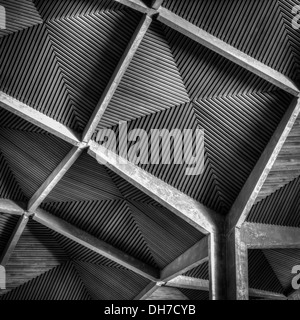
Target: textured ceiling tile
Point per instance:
(30, 73)
(237, 130)
(36, 253)
(31, 156)
(167, 235)
(282, 262)
(20, 14)
(109, 221)
(86, 180)
(88, 49)
(207, 74)
(104, 283)
(60, 283)
(201, 272)
(57, 9)
(261, 275)
(151, 83)
(195, 294)
(280, 208)
(254, 27)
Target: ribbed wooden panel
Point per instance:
(109, 221)
(164, 293)
(29, 72)
(88, 49)
(20, 14)
(36, 253)
(261, 275)
(280, 208)
(254, 27)
(32, 157)
(86, 180)
(166, 235)
(152, 82)
(7, 226)
(104, 283)
(60, 283)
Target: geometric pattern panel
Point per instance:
(57, 9)
(230, 20)
(109, 221)
(151, 83)
(60, 283)
(206, 74)
(29, 72)
(20, 14)
(32, 157)
(201, 272)
(86, 180)
(280, 208)
(7, 226)
(195, 294)
(261, 274)
(104, 283)
(237, 130)
(88, 49)
(166, 235)
(36, 253)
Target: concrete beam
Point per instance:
(137, 5)
(188, 209)
(39, 119)
(247, 197)
(117, 77)
(100, 247)
(189, 283)
(11, 207)
(229, 52)
(260, 236)
(156, 4)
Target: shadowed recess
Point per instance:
(207, 74)
(261, 275)
(109, 221)
(104, 283)
(268, 33)
(88, 48)
(60, 283)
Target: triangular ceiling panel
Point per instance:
(86, 180)
(237, 130)
(57, 9)
(231, 20)
(195, 294)
(104, 283)
(207, 74)
(261, 275)
(32, 156)
(200, 272)
(167, 235)
(60, 283)
(151, 83)
(109, 221)
(88, 49)
(19, 14)
(30, 73)
(36, 253)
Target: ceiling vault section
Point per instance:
(227, 240)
